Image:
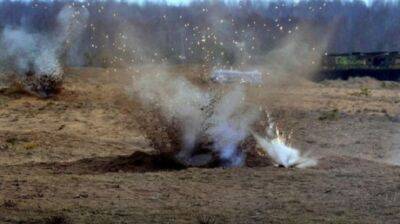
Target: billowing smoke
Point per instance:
(229, 125)
(30, 52)
(178, 100)
(204, 119)
(33, 59)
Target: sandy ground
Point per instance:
(52, 154)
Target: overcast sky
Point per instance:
(178, 2)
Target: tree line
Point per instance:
(121, 32)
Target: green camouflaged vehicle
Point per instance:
(379, 65)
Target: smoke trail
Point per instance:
(224, 121)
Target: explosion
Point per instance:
(201, 127)
(207, 128)
(32, 61)
(275, 146)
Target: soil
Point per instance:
(82, 157)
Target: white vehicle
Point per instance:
(228, 76)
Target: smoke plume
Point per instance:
(35, 57)
(221, 121)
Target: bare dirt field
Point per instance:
(66, 159)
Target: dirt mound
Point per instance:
(140, 162)
(40, 85)
(149, 162)
(136, 162)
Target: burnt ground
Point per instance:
(69, 159)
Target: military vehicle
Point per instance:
(379, 65)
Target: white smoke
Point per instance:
(224, 121)
(40, 53)
(72, 22)
(280, 153)
(24, 49)
(229, 125)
